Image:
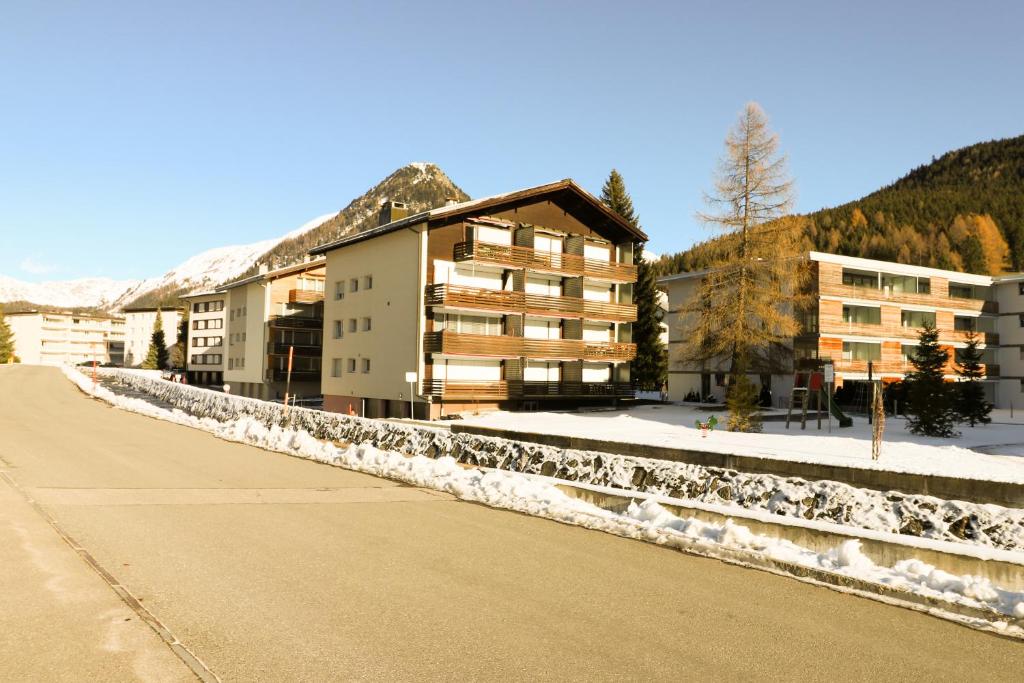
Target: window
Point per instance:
(864, 315)
(335, 367)
(196, 309)
(339, 290)
(962, 291)
(367, 282)
(917, 318)
(863, 351)
(351, 364)
(217, 324)
(214, 341)
(243, 336)
(339, 330)
(1021, 319)
(232, 314)
(367, 324)
(351, 324)
(231, 363)
(195, 341)
(907, 351)
(962, 323)
(353, 285)
(195, 360)
(860, 278)
(1020, 288)
(366, 365)
(924, 285)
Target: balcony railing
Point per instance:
(899, 367)
(913, 298)
(475, 298)
(305, 350)
(903, 332)
(558, 263)
(504, 346)
(296, 322)
(302, 296)
(276, 375)
(504, 389)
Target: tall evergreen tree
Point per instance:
(6, 341)
(156, 355)
(970, 403)
(178, 353)
(740, 315)
(929, 401)
(650, 368)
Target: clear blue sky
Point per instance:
(133, 135)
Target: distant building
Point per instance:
(139, 323)
(865, 318)
(269, 315)
(67, 338)
(205, 348)
(509, 301)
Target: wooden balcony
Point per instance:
(500, 301)
(556, 263)
(901, 332)
(827, 288)
(302, 296)
(510, 389)
(296, 322)
(504, 346)
(881, 368)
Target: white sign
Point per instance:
(410, 377)
(830, 374)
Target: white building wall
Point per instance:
(139, 333)
(63, 338)
(1010, 326)
(209, 321)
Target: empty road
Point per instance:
(267, 567)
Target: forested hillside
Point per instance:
(963, 211)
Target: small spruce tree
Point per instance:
(649, 369)
(929, 402)
(6, 341)
(969, 401)
(156, 355)
(742, 401)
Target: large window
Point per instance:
(906, 284)
(861, 351)
(339, 290)
(860, 278)
(961, 291)
(864, 315)
(335, 367)
(917, 318)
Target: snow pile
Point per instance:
(825, 501)
(646, 520)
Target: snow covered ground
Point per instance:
(644, 520)
(674, 426)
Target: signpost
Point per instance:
(288, 379)
(410, 377)
(830, 377)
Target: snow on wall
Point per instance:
(915, 515)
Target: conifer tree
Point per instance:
(156, 355)
(740, 315)
(650, 368)
(970, 403)
(929, 401)
(6, 341)
(178, 353)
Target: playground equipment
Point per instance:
(809, 387)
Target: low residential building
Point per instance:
(507, 301)
(270, 315)
(1009, 296)
(44, 338)
(138, 323)
(205, 349)
(865, 318)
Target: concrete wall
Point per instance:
(394, 305)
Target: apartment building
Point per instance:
(512, 300)
(67, 338)
(1009, 296)
(865, 318)
(269, 315)
(138, 324)
(205, 349)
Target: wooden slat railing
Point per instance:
(828, 288)
(900, 332)
(302, 296)
(558, 263)
(475, 298)
(504, 346)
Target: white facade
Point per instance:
(139, 332)
(205, 355)
(1009, 293)
(66, 338)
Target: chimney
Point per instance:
(264, 268)
(392, 211)
(451, 201)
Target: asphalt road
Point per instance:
(272, 568)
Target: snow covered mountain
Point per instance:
(92, 292)
(422, 186)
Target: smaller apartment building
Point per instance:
(138, 323)
(269, 315)
(512, 300)
(67, 338)
(865, 318)
(205, 347)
